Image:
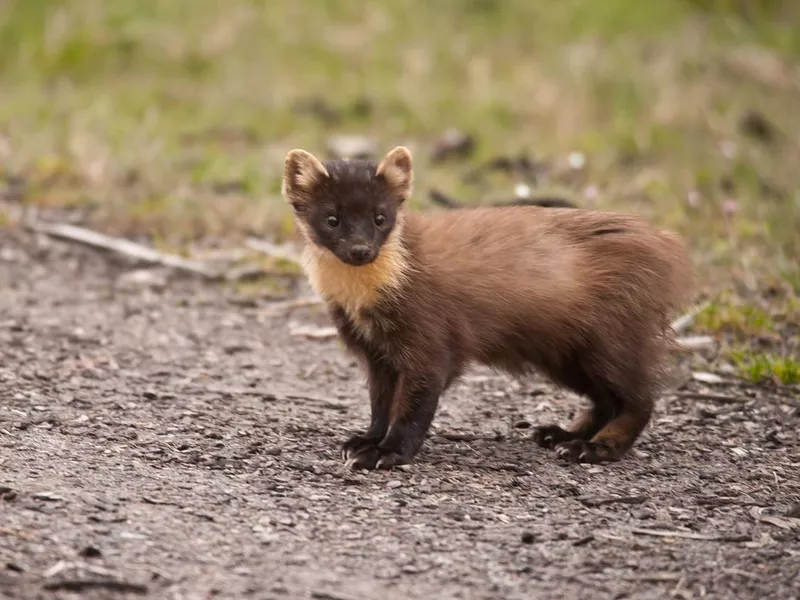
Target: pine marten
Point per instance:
(580, 296)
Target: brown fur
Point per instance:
(581, 296)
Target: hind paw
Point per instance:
(581, 451)
(549, 436)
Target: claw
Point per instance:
(581, 451)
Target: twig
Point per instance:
(122, 246)
(685, 321)
(757, 513)
(467, 437)
(688, 535)
(19, 534)
(741, 573)
(312, 331)
(326, 595)
(79, 585)
(590, 501)
(148, 500)
(655, 577)
(584, 540)
(723, 398)
(269, 396)
(696, 342)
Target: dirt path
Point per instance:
(182, 445)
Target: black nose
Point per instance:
(359, 253)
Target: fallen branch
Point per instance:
(125, 247)
(267, 248)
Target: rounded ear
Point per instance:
(302, 172)
(397, 169)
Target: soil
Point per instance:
(166, 438)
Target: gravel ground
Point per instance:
(164, 438)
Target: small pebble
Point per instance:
(528, 537)
(90, 552)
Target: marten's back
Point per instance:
(552, 277)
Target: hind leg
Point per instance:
(588, 422)
(614, 439)
(585, 426)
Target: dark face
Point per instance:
(351, 212)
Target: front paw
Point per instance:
(358, 444)
(362, 452)
(580, 451)
(550, 436)
(374, 458)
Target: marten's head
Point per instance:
(350, 207)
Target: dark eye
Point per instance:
(332, 221)
(380, 220)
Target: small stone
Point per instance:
(522, 424)
(394, 484)
(528, 537)
(90, 552)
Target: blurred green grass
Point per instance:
(170, 119)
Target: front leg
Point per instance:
(411, 415)
(383, 384)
